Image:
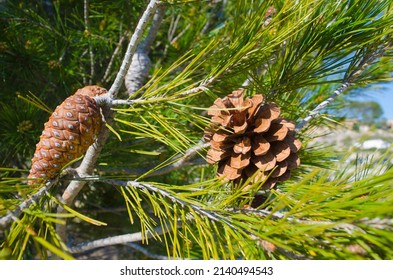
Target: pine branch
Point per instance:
(86, 167)
(140, 64)
(108, 101)
(115, 240)
(13, 215)
(211, 215)
(321, 106)
(347, 82)
(174, 40)
(180, 161)
(202, 87)
(94, 150)
(136, 37)
(349, 228)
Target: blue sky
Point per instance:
(383, 95)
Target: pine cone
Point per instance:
(249, 139)
(70, 130)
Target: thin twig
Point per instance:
(322, 105)
(202, 87)
(13, 215)
(180, 34)
(347, 82)
(115, 53)
(108, 101)
(143, 186)
(180, 161)
(87, 32)
(172, 27)
(347, 227)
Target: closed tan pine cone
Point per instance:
(70, 130)
(249, 139)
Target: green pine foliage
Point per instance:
(295, 53)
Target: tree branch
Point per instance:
(322, 105)
(347, 82)
(347, 227)
(106, 100)
(94, 150)
(13, 215)
(140, 64)
(111, 61)
(213, 216)
(115, 240)
(179, 161)
(127, 239)
(136, 37)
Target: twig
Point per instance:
(180, 34)
(171, 31)
(322, 105)
(94, 150)
(136, 37)
(87, 33)
(172, 27)
(115, 240)
(140, 64)
(180, 161)
(202, 87)
(348, 81)
(378, 223)
(106, 100)
(82, 66)
(347, 227)
(86, 167)
(212, 215)
(13, 215)
(115, 53)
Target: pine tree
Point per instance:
(150, 182)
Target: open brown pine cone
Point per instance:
(248, 138)
(70, 130)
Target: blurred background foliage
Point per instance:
(296, 53)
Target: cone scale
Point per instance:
(70, 130)
(249, 138)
